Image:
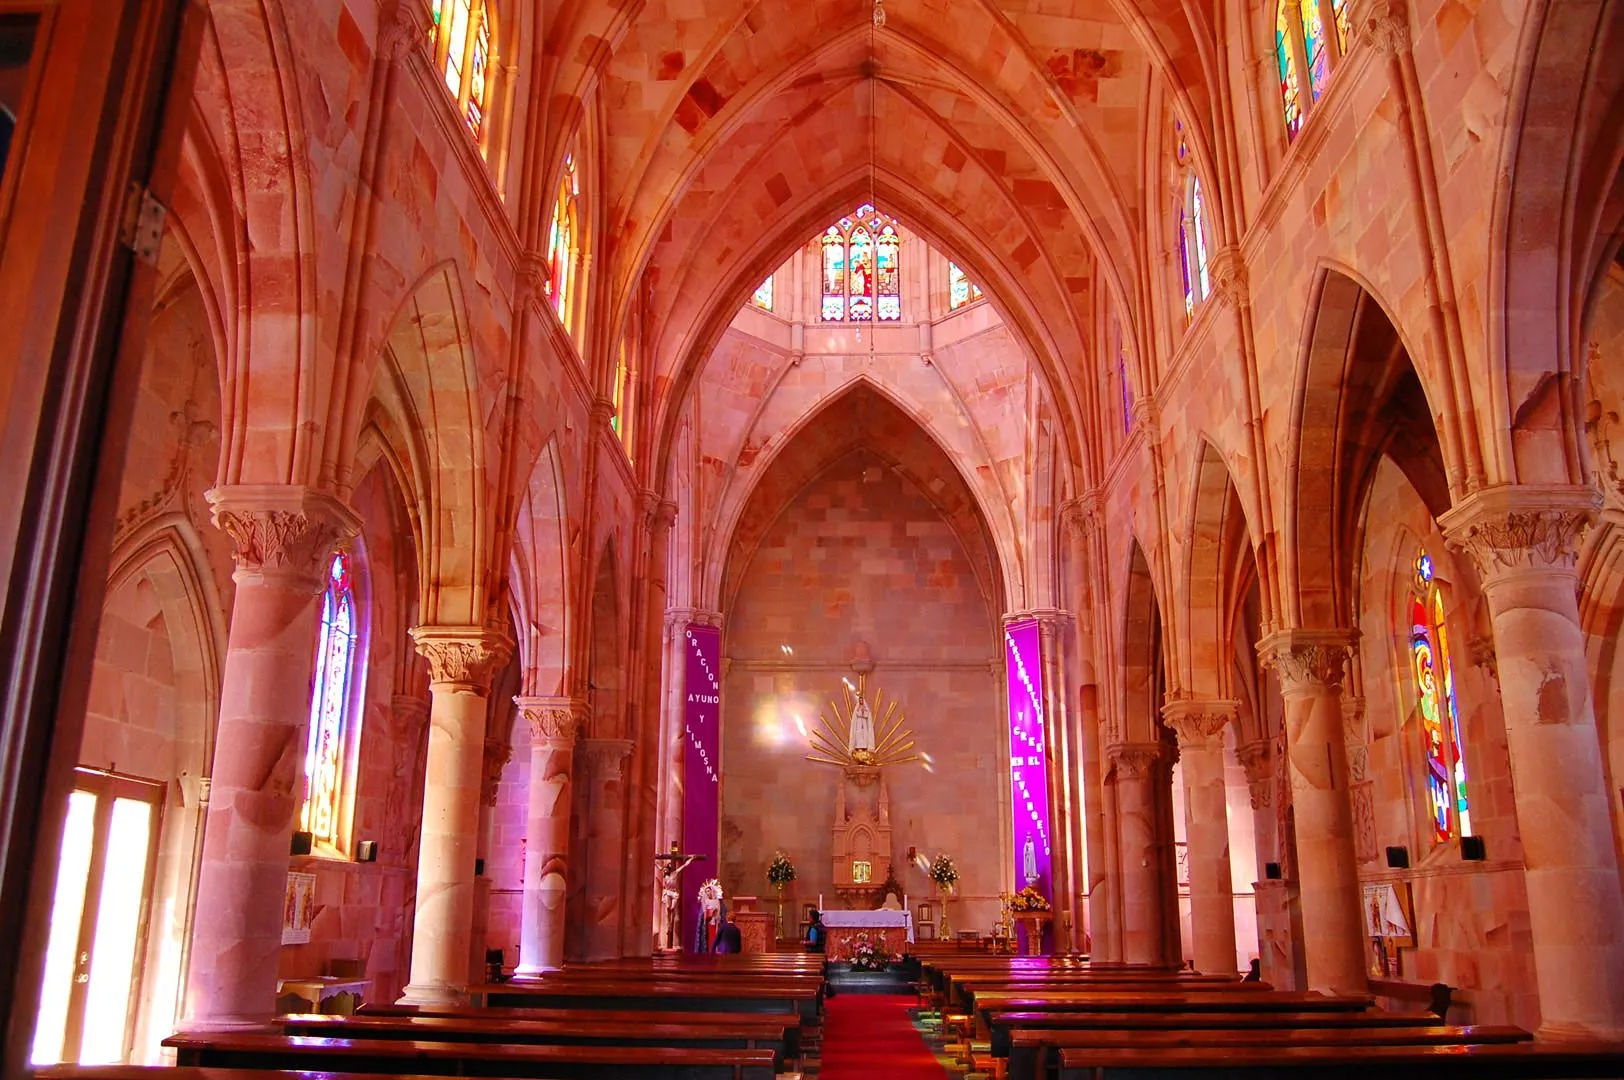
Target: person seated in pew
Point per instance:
(728, 938)
(1255, 973)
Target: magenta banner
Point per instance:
(702, 761)
(1028, 766)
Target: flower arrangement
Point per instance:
(780, 871)
(867, 956)
(943, 872)
(1028, 899)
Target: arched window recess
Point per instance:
(1438, 710)
(335, 690)
(1194, 274)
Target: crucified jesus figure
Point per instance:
(666, 868)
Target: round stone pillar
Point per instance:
(1142, 917)
(284, 538)
(553, 726)
(461, 661)
(605, 837)
(1199, 726)
(1525, 543)
(1309, 664)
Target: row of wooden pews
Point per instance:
(1030, 1018)
(709, 1018)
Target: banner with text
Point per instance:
(701, 779)
(1028, 766)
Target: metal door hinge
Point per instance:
(143, 230)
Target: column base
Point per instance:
(433, 994)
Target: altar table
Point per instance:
(889, 930)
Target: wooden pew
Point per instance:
(1003, 1024)
(1513, 1061)
(265, 1050)
(1032, 1052)
(984, 1003)
(675, 995)
(754, 1032)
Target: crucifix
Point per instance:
(667, 865)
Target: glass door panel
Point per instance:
(98, 921)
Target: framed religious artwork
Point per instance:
(926, 913)
(1390, 913)
(298, 909)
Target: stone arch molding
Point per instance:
(993, 500)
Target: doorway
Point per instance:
(98, 920)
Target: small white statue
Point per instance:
(862, 726)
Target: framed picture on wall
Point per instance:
(926, 914)
(298, 909)
(807, 911)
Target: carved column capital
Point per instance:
(462, 657)
(530, 278)
(400, 27)
(1386, 24)
(1230, 276)
(1199, 723)
(497, 754)
(1257, 761)
(603, 411)
(1134, 761)
(658, 513)
(1307, 661)
(554, 721)
(282, 533)
(606, 758)
(1515, 529)
(1145, 413)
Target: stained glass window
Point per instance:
(1192, 241)
(1319, 57)
(561, 241)
(621, 422)
(1438, 708)
(862, 268)
(960, 289)
(763, 297)
(330, 705)
(889, 283)
(1339, 9)
(1284, 37)
(460, 43)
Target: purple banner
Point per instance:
(1028, 766)
(702, 762)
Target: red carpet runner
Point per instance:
(870, 1037)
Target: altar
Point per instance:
(889, 930)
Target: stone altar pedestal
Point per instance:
(755, 927)
(1032, 922)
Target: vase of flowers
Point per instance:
(780, 872)
(867, 956)
(945, 875)
(1028, 899)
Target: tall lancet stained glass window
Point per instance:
(1441, 746)
(862, 268)
(330, 705)
(960, 289)
(460, 45)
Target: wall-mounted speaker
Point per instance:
(302, 842)
(1271, 871)
(1472, 849)
(479, 867)
(366, 851)
(1398, 858)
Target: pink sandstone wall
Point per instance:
(861, 556)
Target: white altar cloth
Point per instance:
(870, 920)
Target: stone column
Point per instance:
(284, 538)
(1525, 544)
(498, 752)
(644, 824)
(553, 726)
(1099, 907)
(1309, 664)
(606, 831)
(1064, 882)
(1142, 916)
(1109, 950)
(1199, 726)
(461, 662)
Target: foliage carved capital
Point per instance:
(497, 754)
(1257, 761)
(606, 758)
(1199, 723)
(1134, 761)
(1307, 661)
(1513, 529)
(401, 27)
(554, 721)
(462, 657)
(1230, 276)
(281, 532)
(1386, 24)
